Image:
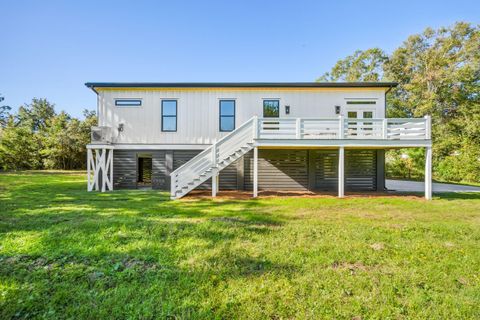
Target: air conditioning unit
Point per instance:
(101, 134)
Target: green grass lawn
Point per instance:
(66, 253)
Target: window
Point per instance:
(227, 115)
(169, 115)
(128, 102)
(271, 108)
(352, 114)
(367, 114)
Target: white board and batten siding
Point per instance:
(198, 110)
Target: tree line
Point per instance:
(438, 74)
(37, 137)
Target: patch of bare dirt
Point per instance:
(247, 195)
(377, 246)
(352, 267)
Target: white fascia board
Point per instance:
(343, 143)
(127, 146)
(99, 146)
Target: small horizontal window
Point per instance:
(361, 102)
(128, 102)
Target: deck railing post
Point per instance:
(341, 129)
(428, 127)
(255, 127)
(214, 155)
(385, 128)
(298, 128)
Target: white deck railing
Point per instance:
(345, 128)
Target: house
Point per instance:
(247, 136)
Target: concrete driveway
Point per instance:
(416, 186)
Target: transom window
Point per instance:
(271, 108)
(169, 115)
(128, 102)
(227, 115)
(361, 102)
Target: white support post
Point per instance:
(428, 173)
(173, 184)
(89, 170)
(298, 128)
(428, 127)
(385, 129)
(214, 182)
(214, 170)
(100, 169)
(341, 129)
(109, 169)
(97, 169)
(255, 172)
(104, 170)
(341, 172)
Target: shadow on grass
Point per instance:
(97, 245)
(458, 195)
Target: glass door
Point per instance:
(362, 127)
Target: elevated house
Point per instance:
(247, 136)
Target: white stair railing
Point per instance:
(212, 160)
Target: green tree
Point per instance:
(65, 139)
(36, 114)
(36, 137)
(361, 66)
(19, 148)
(4, 113)
(438, 72)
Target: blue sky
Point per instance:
(51, 48)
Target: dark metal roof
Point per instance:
(93, 85)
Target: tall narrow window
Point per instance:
(169, 115)
(271, 108)
(227, 115)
